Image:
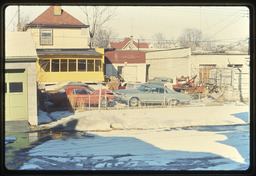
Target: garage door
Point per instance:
(130, 73)
(16, 94)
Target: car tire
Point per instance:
(174, 102)
(134, 102)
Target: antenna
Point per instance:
(18, 25)
(132, 25)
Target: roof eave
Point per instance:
(55, 26)
(81, 52)
(21, 59)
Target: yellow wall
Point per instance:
(62, 38)
(49, 76)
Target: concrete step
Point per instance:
(17, 126)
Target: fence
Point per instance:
(230, 80)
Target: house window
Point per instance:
(97, 65)
(81, 65)
(63, 65)
(45, 65)
(55, 65)
(15, 87)
(46, 37)
(90, 65)
(72, 65)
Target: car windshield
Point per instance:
(156, 79)
(62, 90)
(164, 80)
(89, 88)
(80, 91)
(169, 90)
(143, 88)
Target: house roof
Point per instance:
(90, 52)
(115, 57)
(48, 19)
(127, 40)
(19, 46)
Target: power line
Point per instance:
(227, 25)
(221, 20)
(12, 19)
(225, 12)
(151, 40)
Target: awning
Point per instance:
(87, 52)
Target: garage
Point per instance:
(130, 73)
(20, 78)
(16, 104)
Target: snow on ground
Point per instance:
(166, 140)
(176, 149)
(146, 118)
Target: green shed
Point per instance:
(20, 78)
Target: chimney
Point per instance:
(57, 10)
(131, 43)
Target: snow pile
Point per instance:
(176, 149)
(157, 118)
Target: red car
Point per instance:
(80, 94)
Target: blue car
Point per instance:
(152, 94)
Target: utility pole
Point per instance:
(18, 25)
(138, 44)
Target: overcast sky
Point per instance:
(225, 24)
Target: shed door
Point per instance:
(130, 73)
(16, 94)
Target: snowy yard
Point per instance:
(189, 138)
(156, 118)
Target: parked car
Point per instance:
(162, 81)
(79, 94)
(96, 85)
(129, 85)
(104, 90)
(153, 94)
(51, 87)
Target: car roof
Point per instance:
(74, 87)
(77, 84)
(153, 86)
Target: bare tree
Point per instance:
(103, 37)
(160, 40)
(96, 17)
(24, 21)
(208, 45)
(190, 37)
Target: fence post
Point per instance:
(99, 104)
(89, 102)
(164, 95)
(105, 101)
